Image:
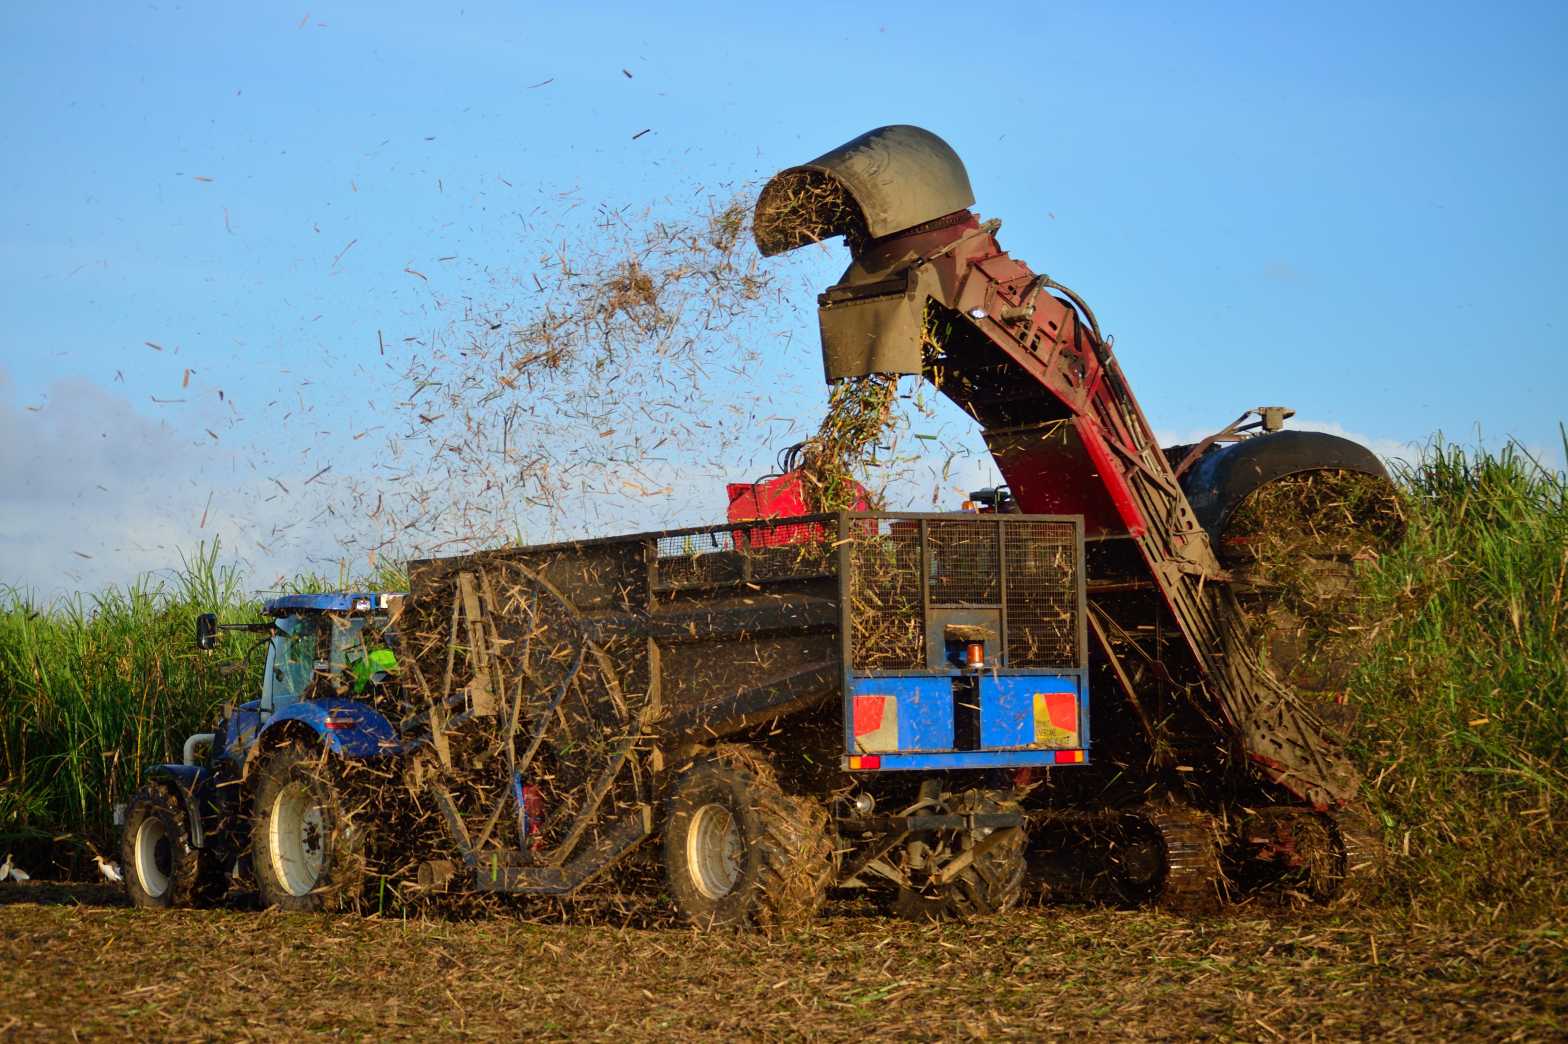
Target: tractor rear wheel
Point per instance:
(739, 851)
(160, 866)
(307, 851)
(992, 880)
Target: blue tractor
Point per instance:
(262, 795)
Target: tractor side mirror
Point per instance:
(207, 630)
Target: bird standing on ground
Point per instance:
(110, 871)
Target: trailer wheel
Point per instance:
(307, 852)
(160, 867)
(739, 851)
(992, 881)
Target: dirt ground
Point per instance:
(79, 962)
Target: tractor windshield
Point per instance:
(348, 642)
(290, 661)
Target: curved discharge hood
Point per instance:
(887, 180)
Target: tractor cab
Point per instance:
(318, 645)
(330, 666)
(332, 644)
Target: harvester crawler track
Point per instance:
(1194, 879)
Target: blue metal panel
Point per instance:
(359, 732)
(925, 710)
(243, 726)
(970, 759)
(1007, 712)
(332, 602)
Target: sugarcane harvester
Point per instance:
(1232, 760)
(771, 708)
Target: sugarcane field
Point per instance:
(499, 541)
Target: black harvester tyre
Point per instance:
(307, 851)
(740, 852)
(160, 867)
(993, 880)
(1293, 853)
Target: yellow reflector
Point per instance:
(1056, 719)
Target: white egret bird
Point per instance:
(110, 871)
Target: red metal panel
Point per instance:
(780, 497)
(1110, 473)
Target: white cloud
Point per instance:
(92, 492)
(1388, 449)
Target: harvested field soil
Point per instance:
(79, 961)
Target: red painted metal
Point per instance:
(779, 497)
(1106, 469)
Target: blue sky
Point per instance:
(1352, 209)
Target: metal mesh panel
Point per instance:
(970, 562)
(965, 563)
(887, 625)
(1042, 594)
(694, 559)
(781, 550)
(739, 551)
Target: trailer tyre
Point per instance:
(992, 882)
(739, 851)
(307, 851)
(160, 867)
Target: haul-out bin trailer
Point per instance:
(839, 700)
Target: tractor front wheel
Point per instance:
(160, 866)
(307, 851)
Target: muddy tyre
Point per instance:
(992, 882)
(306, 849)
(160, 867)
(740, 852)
